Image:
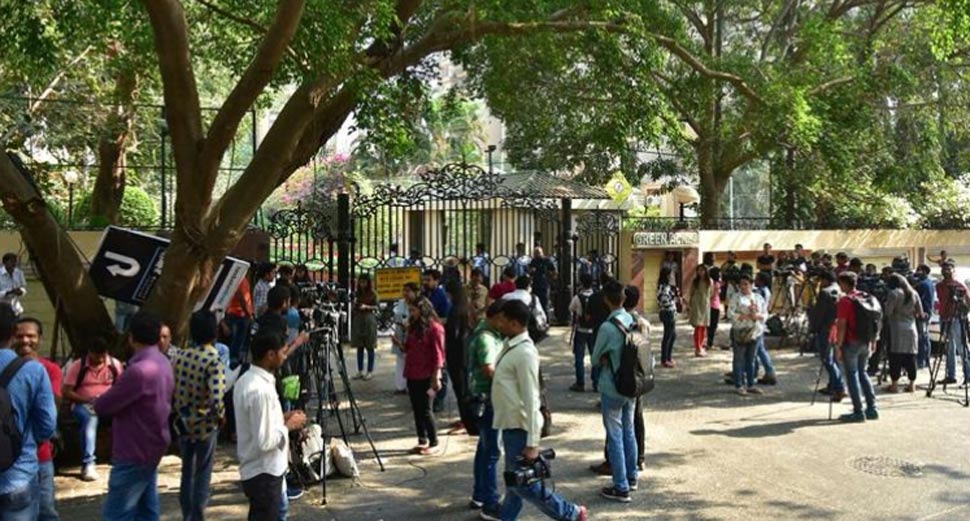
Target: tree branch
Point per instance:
(181, 95)
(693, 62)
(829, 85)
(252, 83)
(229, 15)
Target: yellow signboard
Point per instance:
(389, 282)
(619, 188)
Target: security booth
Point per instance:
(649, 252)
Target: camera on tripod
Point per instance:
(958, 296)
(531, 472)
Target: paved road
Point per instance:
(711, 455)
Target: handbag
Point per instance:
(744, 334)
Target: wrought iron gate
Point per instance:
(458, 216)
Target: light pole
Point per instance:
(490, 150)
(71, 178)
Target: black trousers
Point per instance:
(900, 361)
(265, 493)
(712, 328)
(458, 375)
(638, 430)
(423, 416)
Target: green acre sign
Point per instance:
(672, 239)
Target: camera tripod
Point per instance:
(792, 302)
(946, 333)
(324, 365)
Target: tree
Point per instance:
(730, 82)
(335, 54)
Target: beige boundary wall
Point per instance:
(640, 265)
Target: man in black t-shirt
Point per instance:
(542, 270)
(599, 313)
(766, 261)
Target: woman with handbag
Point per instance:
(669, 302)
(424, 356)
(746, 311)
(364, 325)
(699, 309)
(402, 312)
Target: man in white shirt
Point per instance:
(263, 429)
(523, 293)
(13, 285)
(515, 401)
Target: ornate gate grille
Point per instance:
(438, 219)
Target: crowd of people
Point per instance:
(476, 339)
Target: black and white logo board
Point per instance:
(128, 264)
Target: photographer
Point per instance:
(483, 349)
(515, 399)
(822, 321)
(954, 302)
(926, 289)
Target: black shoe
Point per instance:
(577, 388)
(475, 505)
(768, 380)
(826, 391)
(491, 513)
(948, 381)
(613, 494)
(293, 494)
(633, 484)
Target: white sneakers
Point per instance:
(89, 473)
(368, 376)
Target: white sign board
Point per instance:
(672, 239)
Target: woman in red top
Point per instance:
(424, 356)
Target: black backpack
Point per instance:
(585, 318)
(537, 332)
(11, 439)
(868, 317)
(634, 377)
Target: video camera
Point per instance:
(530, 472)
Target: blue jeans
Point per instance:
(743, 363)
(46, 499)
(197, 457)
(239, 328)
(763, 358)
(923, 354)
(669, 322)
(360, 359)
(284, 502)
(826, 355)
(954, 350)
(20, 505)
(89, 432)
(549, 502)
(855, 357)
(486, 461)
(582, 342)
(132, 493)
(621, 441)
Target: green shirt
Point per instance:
(486, 344)
(609, 342)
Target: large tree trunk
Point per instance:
(51, 249)
(109, 187)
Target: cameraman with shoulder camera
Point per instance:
(515, 400)
(954, 303)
